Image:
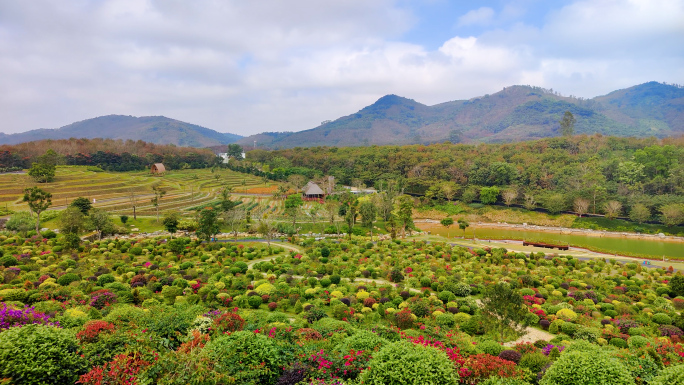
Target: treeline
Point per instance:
(108, 154)
(553, 173)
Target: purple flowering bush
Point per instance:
(11, 317)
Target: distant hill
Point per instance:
(153, 129)
(516, 113)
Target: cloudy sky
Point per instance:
(248, 66)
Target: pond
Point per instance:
(622, 245)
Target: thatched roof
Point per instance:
(312, 189)
(158, 167)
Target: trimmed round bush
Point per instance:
(510, 355)
(407, 363)
(364, 340)
(250, 358)
(669, 376)
(661, 319)
(587, 368)
(68, 278)
(492, 348)
(39, 354)
(105, 279)
(636, 342)
(619, 342)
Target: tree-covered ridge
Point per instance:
(513, 114)
(109, 154)
(596, 168)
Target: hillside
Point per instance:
(152, 129)
(513, 114)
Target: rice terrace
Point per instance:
(245, 193)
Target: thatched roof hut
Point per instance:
(312, 191)
(157, 168)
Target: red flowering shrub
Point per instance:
(482, 366)
(272, 306)
(525, 348)
(369, 302)
(122, 370)
(92, 329)
(198, 340)
(671, 353)
(307, 334)
(404, 319)
(228, 323)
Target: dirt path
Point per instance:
(531, 336)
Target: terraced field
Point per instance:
(115, 191)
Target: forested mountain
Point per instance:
(552, 173)
(513, 114)
(152, 129)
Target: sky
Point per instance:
(249, 66)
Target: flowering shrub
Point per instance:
(669, 331)
(102, 298)
(482, 366)
(92, 329)
(11, 317)
(228, 323)
(546, 350)
(670, 353)
(404, 319)
(197, 340)
(122, 370)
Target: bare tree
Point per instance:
(313, 213)
(581, 206)
(234, 217)
(612, 209)
(509, 196)
(530, 202)
(133, 197)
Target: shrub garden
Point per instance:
(347, 311)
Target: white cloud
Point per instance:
(480, 16)
(247, 67)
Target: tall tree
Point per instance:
(82, 204)
(100, 221)
(368, 213)
(207, 225)
(447, 222)
(38, 201)
(313, 213)
(133, 198)
(297, 181)
(158, 194)
(293, 205)
(235, 150)
(567, 124)
(266, 229)
(403, 207)
(234, 217)
(581, 206)
(612, 209)
(170, 222)
(504, 310)
(463, 225)
(226, 203)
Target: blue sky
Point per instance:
(271, 65)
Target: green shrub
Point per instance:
(105, 279)
(586, 368)
(636, 342)
(362, 340)
(618, 342)
(39, 354)
(534, 362)
(661, 319)
(492, 348)
(68, 278)
(669, 376)
(406, 363)
(8, 261)
(250, 358)
(136, 250)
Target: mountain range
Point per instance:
(153, 129)
(513, 114)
